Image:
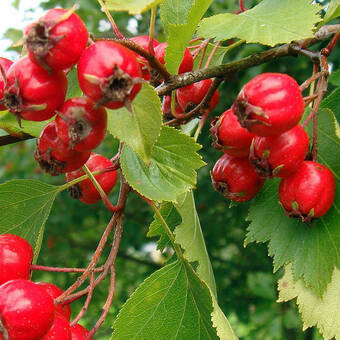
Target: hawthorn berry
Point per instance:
(80, 124)
(236, 178)
(60, 329)
(190, 96)
(79, 333)
(85, 190)
(26, 310)
(56, 40)
(309, 192)
(55, 157)
(54, 291)
(166, 107)
(31, 93)
(109, 74)
(281, 155)
(187, 63)
(269, 104)
(4, 66)
(229, 136)
(16, 256)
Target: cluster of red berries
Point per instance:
(27, 309)
(261, 139)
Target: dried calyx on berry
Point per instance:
(4, 66)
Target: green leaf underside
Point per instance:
(172, 167)
(131, 6)
(170, 304)
(323, 313)
(332, 102)
(24, 208)
(335, 77)
(268, 23)
(313, 250)
(180, 19)
(141, 129)
(333, 11)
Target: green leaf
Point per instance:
(180, 19)
(314, 250)
(333, 11)
(323, 313)
(172, 167)
(141, 129)
(73, 88)
(173, 303)
(131, 6)
(217, 57)
(332, 102)
(335, 77)
(172, 218)
(269, 23)
(24, 208)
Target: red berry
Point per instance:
(60, 330)
(230, 136)
(26, 310)
(55, 157)
(54, 291)
(31, 92)
(81, 125)
(143, 41)
(166, 108)
(269, 104)
(309, 192)
(16, 256)
(85, 190)
(187, 63)
(56, 40)
(190, 96)
(79, 333)
(281, 155)
(4, 66)
(109, 74)
(236, 178)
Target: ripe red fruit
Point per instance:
(109, 74)
(60, 330)
(26, 310)
(80, 125)
(16, 256)
(309, 192)
(236, 178)
(79, 333)
(31, 92)
(54, 291)
(229, 136)
(166, 108)
(85, 190)
(269, 104)
(4, 66)
(187, 63)
(55, 157)
(281, 155)
(56, 40)
(190, 96)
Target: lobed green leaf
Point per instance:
(131, 6)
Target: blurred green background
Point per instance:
(245, 282)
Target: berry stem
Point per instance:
(212, 54)
(204, 51)
(329, 48)
(61, 270)
(202, 46)
(201, 124)
(152, 30)
(242, 7)
(115, 28)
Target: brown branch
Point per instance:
(8, 139)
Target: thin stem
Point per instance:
(115, 28)
(204, 51)
(62, 270)
(311, 80)
(329, 48)
(152, 30)
(201, 124)
(173, 105)
(203, 44)
(212, 54)
(242, 7)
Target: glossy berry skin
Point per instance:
(309, 192)
(56, 40)
(166, 108)
(281, 155)
(79, 333)
(85, 190)
(55, 157)
(60, 330)
(26, 310)
(32, 93)
(269, 104)
(187, 63)
(229, 136)
(5, 65)
(54, 291)
(80, 125)
(109, 74)
(143, 41)
(190, 96)
(16, 256)
(236, 178)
